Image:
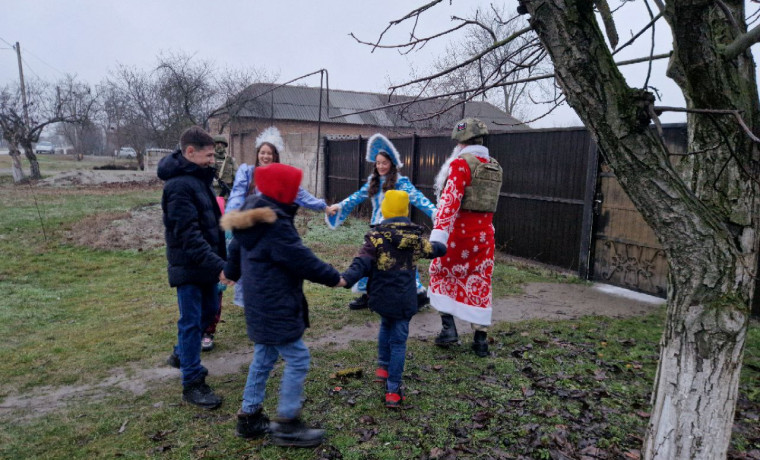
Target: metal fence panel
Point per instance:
(540, 212)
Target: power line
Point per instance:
(26, 51)
(42, 61)
(29, 68)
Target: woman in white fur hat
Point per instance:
(269, 145)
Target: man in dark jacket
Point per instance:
(271, 262)
(388, 257)
(195, 250)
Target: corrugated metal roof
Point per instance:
(301, 103)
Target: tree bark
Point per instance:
(34, 165)
(16, 169)
(703, 210)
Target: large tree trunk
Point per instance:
(703, 210)
(16, 169)
(34, 165)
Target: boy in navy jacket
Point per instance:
(268, 257)
(389, 255)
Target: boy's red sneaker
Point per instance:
(394, 400)
(381, 375)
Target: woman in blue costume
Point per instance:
(269, 144)
(384, 177)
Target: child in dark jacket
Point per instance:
(267, 256)
(389, 255)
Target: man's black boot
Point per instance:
(293, 433)
(422, 300)
(480, 344)
(448, 334)
(200, 394)
(359, 303)
(252, 426)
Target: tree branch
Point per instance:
(414, 13)
(638, 34)
(742, 43)
(468, 61)
(411, 44)
(735, 113)
(513, 82)
(727, 13)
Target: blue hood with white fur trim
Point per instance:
(379, 143)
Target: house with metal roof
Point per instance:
(304, 115)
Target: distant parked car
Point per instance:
(44, 147)
(126, 152)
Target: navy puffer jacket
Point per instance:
(268, 257)
(195, 247)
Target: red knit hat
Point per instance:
(278, 181)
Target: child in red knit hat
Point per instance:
(270, 260)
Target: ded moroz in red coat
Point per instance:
(460, 281)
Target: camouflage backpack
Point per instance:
(482, 195)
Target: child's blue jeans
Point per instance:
(297, 359)
(391, 350)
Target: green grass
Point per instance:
(72, 315)
(53, 164)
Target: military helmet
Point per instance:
(469, 128)
(222, 139)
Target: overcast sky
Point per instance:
(286, 37)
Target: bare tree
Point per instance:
(67, 101)
(85, 137)
(491, 25)
(703, 207)
(152, 108)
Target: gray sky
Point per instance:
(286, 37)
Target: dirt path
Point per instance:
(539, 301)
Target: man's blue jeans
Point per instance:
(297, 359)
(198, 304)
(391, 350)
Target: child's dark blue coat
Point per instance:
(268, 257)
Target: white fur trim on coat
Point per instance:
(445, 304)
(443, 173)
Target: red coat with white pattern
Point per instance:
(460, 281)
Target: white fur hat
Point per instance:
(379, 143)
(272, 136)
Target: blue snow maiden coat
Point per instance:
(195, 246)
(389, 257)
(269, 259)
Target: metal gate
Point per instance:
(626, 251)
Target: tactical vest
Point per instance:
(482, 195)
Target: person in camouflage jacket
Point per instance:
(225, 167)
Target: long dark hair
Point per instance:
(275, 159)
(390, 178)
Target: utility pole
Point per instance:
(23, 87)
